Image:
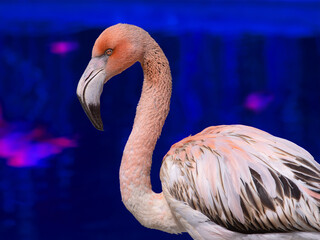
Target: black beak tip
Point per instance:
(99, 127)
(95, 116)
(93, 113)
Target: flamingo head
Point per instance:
(117, 48)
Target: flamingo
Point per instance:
(226, 182)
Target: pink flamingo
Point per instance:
(226, 182)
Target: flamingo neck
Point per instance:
(149, 208)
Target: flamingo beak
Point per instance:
(90, 88)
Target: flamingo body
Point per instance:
(227, 182)
(240, 179)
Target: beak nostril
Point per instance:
(88, 76)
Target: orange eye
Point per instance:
(108, 52)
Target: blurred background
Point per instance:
(233, 62)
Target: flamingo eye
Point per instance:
(108, 52)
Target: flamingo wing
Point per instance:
(240, 179)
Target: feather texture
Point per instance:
(244, 180)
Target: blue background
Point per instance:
(250, 62)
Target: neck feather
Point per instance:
(150, 209)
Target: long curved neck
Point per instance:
(150, 209)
